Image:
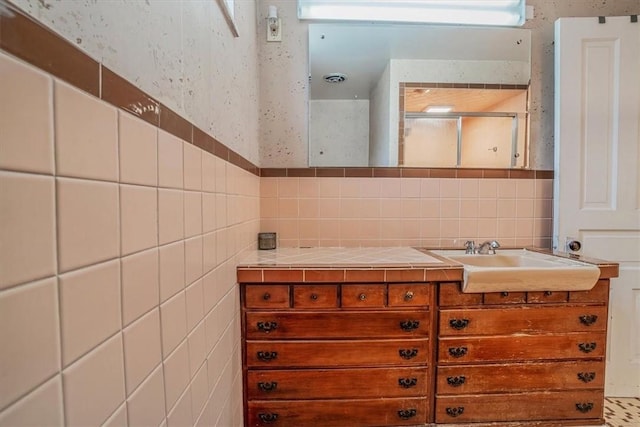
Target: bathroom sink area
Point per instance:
(522, 270)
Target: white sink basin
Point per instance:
(522, 270)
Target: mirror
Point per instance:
(363, 78)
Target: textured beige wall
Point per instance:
(284, 70)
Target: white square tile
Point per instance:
(195, 305)
(173, 317)
(86, 135)
(192, 213)
(170, 215)
(146, 405)
(140, 284)
(142, 352)
(138, 150)
(176, 374)
(41, 407)
(192, 167)
(208, 252)
(86, 403)
(88, 222)
(199, 391)
(197, 348)
(27, 228)
(208, 212)
(90, 308)
(180, 414)
(171, 270)
(26, 117)
(33, 337)
(170, 166)
(138, 217)
(193, 259)
(208, 172)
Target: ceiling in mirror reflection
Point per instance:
(362, 52)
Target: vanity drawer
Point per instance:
(522, 320)
(505, 298)
(520, 377)
(337, 324)
(266, 354)
(338, 413)
(547, 297)
(266, 296)
(450, 295)
(598, 294)
(364, 296)
(535, 406)
(336, 383)
(521, 347)
(410, 294)
(315, 296)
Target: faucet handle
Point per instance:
(470, 246)
(494, 244)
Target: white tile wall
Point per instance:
(94, 268)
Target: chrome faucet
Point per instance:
(470, 247)
(488, 247)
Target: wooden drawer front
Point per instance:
(336, 353)
(267, 296)
(338, 413)
(451, 295)
(598, 294)
(337, 324)
(520, 407)
(410, 294)
(364, 296)
(505, 298)
(547, 296)
(337, 383)
(522, 319)
(526, 347)
(472, 379)
(315, 296)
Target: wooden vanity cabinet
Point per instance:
(521, 357)
(338, 354)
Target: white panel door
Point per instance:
(597, 170)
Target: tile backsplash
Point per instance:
(118, 301)
(430, 212)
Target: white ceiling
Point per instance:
(362, 51)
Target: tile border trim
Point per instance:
(29, 40)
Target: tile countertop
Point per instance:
(397, 257)
(392, 264)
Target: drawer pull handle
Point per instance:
(587, 347)
(268, 417)
(586, 377)
(588, 319)
(267, 387)
(267, 327)
(457, 351)
(504, 294)
(409, 325)
(267, 356)
(407, 382)
(456, 381)
(266, 296)
(405, 414)
(455, 412)
(458, 324)
(584, 407)
(548, 293)
(408, 296)
(408, 353)
(362, 297)
(314, 296)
